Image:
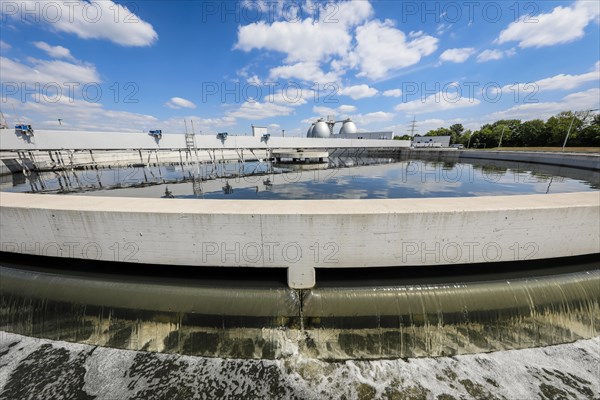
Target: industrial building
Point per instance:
(431, 141)
(324, 129)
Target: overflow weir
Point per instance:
(409, 315)
(331, 279)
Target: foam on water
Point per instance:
(66, 370)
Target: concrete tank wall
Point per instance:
(41, 160)
(575, 160)
(79, 140)
(303, 235)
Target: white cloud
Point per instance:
(323, 111)
(382, 48)
(54, 51)
(291, 96)
(255, 110)
(303, 41)
(393, 93)
(440, 101)
(276, 130)
(38, 101)
(557, 82)
(343, 110)
(489, 55)
(561, 25)
(178, 102)
(77, 114)
(91, 19)
(201, 125)
(495, 54)
(373, 117)
(442, 28)
(309, 120)
(358, 91)
(4, 46)
(305, 71)
(566, 81)
(254, 80)
(347, 13)
(48, 72)
(306, 40)
(457, 55)
(346, 109)
(349, 41)
(589, 99)
(426, 125)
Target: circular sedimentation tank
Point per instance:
(366, 279)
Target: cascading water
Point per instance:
(333, 322)
(265, 343)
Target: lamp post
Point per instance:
(501, 136)
(571, 126)
(568, 133)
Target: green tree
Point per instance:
(509, 132)
(458, 129)
(533, 133)
(454, 132)
(439, 132)
(590, 134)
(487, 136)
(558, 126)
(464, 138)
(584, 132)
(403, 137)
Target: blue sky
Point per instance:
(135, 66)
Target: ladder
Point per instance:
(190, 140)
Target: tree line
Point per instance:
(584, 131)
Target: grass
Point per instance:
(555, 149)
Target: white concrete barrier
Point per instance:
(80, 140)
(45, 160)
(575, 160)
(305, 234)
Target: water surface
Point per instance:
(338, 178)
